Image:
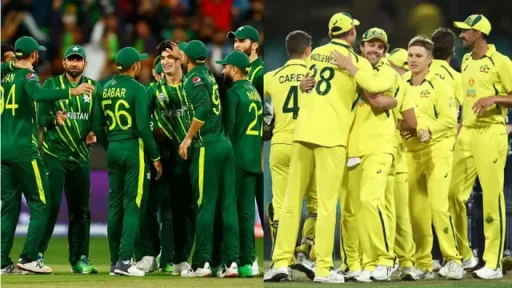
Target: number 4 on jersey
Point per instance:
(293, 97)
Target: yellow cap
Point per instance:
(398, 57)
(341, 22)
(477, 22)
(375, 33)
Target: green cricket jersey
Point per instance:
(203, 92)
(152, 107)
(255, 75)
(172, 110)
(67, 142)
(20, 89)
(123, 107)
(243, 120)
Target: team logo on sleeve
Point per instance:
(196, 80)
(31, 76)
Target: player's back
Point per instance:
(18, 116)
(282, 86)
(326, 111)
(118, 104)
(444, 71)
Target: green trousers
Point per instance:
(75, 179)
(29, 178)
(129, 176)
(245, 187)
(212, 177)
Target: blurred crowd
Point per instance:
(103, 27)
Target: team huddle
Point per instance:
(184, 161)
(379, 133)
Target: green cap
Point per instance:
(159, 69)
(375, 33)
(237, 59)
(156, 61)
(26, 45)
(182, 45)
(195, 51)
(245, 32)
(127, 56)
(75, 50)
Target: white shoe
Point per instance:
(304, 265)
(228, 272)
(34, 267)
(349, 275)
(436, 266)
(443, 271)
(423, 274)
(277, 275)
(408, 274)
(255, 268)
(488, 273)
(469, 263)
(364, 277)
(334, 277)
(455, 271)
(178, 267)
(204, 271)
(128, 269)
(12, 270)
(382, 273)
(147, 264)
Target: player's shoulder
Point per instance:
(499, 58)
(407, 76)
(466, 57)
(439, 83)
(92, 81)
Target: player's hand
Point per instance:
(175, 52)
(184, 148)
(407, 134)
(482, 104)
(343, 62)
(307, 83)
(90, 139)
(424, 135)
(60, 118)
(84, 88)
(159, 169)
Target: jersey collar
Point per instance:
(296, 62)
(256, 63)
(66, 81)
(490, 51)
(428, 78)
(198, 68)
(342, 43)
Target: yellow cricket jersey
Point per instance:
(443, 70)
(436, 110)
(404, 102)
(490, 75)
(326, 112)
(374, 132)
(282, 86)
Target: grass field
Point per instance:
(57, 258)
(300, 281)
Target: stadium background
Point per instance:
(105, 26)
(402, 20)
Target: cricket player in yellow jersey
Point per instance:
(319, 145)
(397, 58)
(282, 87)
(429, 159)
(369, 165)
(444, 49)
(482, 145)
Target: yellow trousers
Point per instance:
(327, 164)
(367, 183)
(481, 151)
(279, 166)
(349, 235)
(429, 182)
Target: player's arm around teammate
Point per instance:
(429, 157)
(482, 144)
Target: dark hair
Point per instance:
(163, 45)
(296, 43)
(422, 41)
(444, 42)
(6, 48)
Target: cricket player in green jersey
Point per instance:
(22, 168)
(123, 109)
(177, 205)
(247, 40)
(148, 244)
(211, 168)
(67, 158)
(243, 123)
